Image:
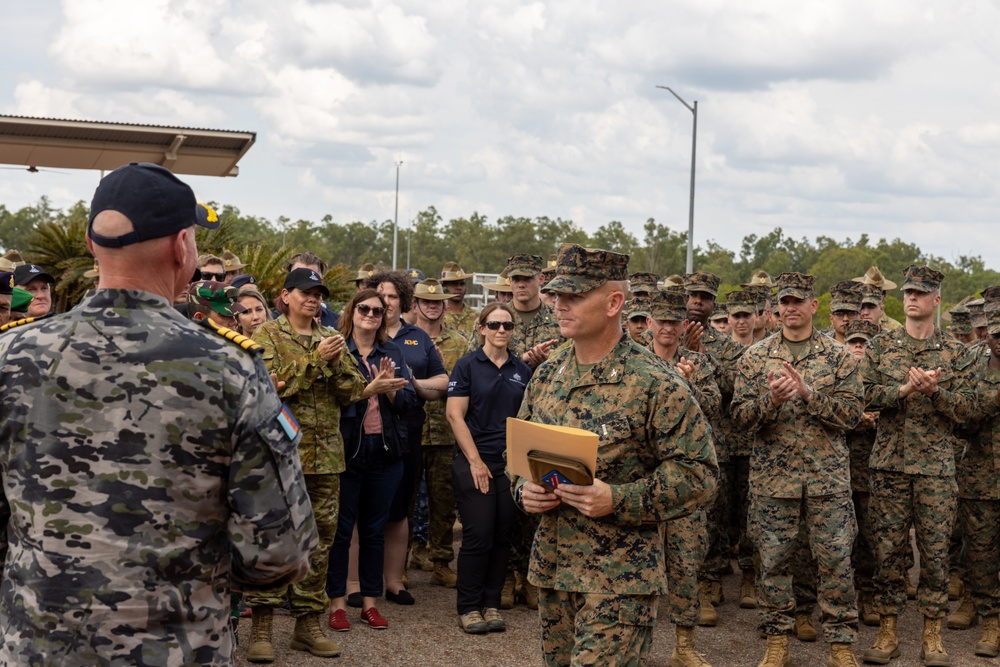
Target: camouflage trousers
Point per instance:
(739, 504)
(716, 560)
(309, 595)
(585, 629)
(929, 503)
(804, 571)
(435, 463)
(982, 539)
(521, 540)
(685, 550)
(863, 555)
(775, 527)
(958, 560)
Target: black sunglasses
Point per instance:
(208, 275)
(495, 325)
(374, 311)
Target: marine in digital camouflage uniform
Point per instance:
(845, 306)
(600, 568)
(144, 465)
(913, 463)
(799, 391)
(461, 317)
(685, 541)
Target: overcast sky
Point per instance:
(832, 118)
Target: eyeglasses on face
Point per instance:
(208, 275)
(495, 325)
(366, 310)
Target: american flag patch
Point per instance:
(288, 423)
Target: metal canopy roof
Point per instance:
(75, 144)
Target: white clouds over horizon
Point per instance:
(821, 118)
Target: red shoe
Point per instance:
(374, 619)
(338, 621)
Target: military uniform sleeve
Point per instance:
(880, 391)
(297, 370)
(752, 407)
(348, 382)
(271, 526)
(705, 386)
(679, 435)
(986, 404)
(840, 404)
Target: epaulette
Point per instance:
(234, 336)
(26, 320)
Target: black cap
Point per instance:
(156, 202)
(25, 273)
(305, 279)
(243, 279)
(7, 282)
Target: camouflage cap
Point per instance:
(220, 297)
(721, 312)
(846, 295)
(451, 272)
(232, 262)
(874, 277)
(758, 279)
(637, 307)
(991, 296)
(741, 301)
(993, 322)
(960, 318)
(672, 281)
(668, 305)
(799, 285)
(20, 299)
(365, 271)
(430, 289)
(502, 283)
(702, 281)
(921, 278)
(760, 293)
(415, 275)
(550, 266)
(978, 309)
(871, 294)
(860, 329)
(580, 270)
(528, 266)
(643, 282)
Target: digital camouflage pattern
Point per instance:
(913, 461)
(580, 270)
(314, 389)
(800, 448)
(655, 451)
(144, 470)
(542, 327)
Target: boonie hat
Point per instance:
(365, 271)
(874, 277)
(550, 266)
(451, 272)
(430, 289)
(231, 262)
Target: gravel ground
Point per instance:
(427, 633)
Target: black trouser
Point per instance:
(487, 521)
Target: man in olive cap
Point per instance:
(536, 331)
(598, 558)
(799, 392)
(502, 291)
(960, 324)
(719, 319)
(845, 306)
(922, 383)
(760, 285)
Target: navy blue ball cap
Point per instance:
(25, 273)
(305, 279)
(156, 202)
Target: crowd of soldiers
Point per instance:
(806, 456)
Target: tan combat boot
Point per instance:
(965, 616)
(841, 655)
(308, 636)
(805, 631)
(776, 653)
(507, 592)
(442, 574)
(866, 609)
(715, 588)
(708, 617)
(685, 654)
(931, 649)
(989, 645)
(748, 592)
(530, 594)
(420, 557)
(886, 646)
(260, 635)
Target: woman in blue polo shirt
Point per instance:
(486, 387)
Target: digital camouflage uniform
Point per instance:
(437, 450)
(314, 390)
(913, 463)
(800, 474)
(144, 471)
(656, 453)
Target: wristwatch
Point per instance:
(518, 492)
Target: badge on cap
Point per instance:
(430, 289)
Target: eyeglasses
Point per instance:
(366, 310)
(495, 325)
(208, 275)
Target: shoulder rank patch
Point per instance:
(236, 337)
(26, 320)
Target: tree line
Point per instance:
(55, 238)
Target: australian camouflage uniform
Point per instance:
(800, 472)
(314, 390)
(154, 447)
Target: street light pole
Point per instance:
(694, 145)
(395, 219)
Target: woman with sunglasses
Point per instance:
(374, 433)
(486, 388)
